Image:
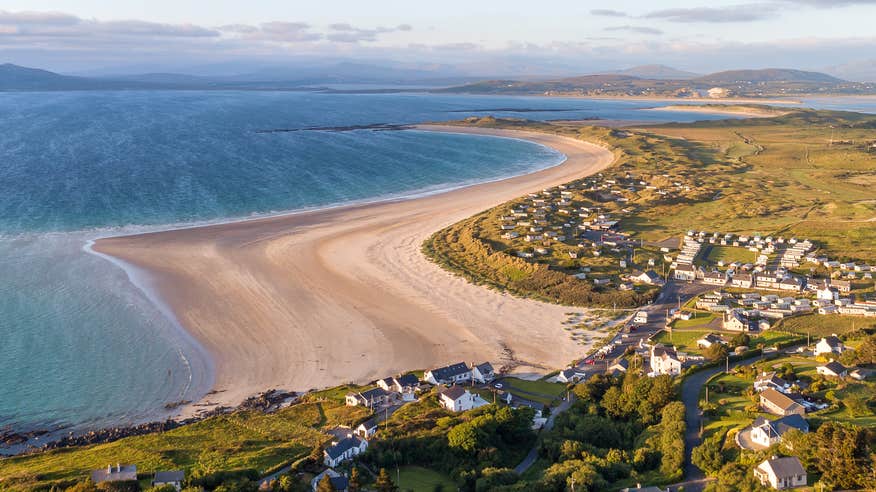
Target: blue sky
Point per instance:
(508, 36)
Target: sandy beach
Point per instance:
(748, 112)
(319, 298)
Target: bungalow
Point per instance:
(766, 432)
(338, 481)
(119, 473)
(714, 278)
(733, 320)
(832, 369)
(452, 374)
(781, 473)
(828, 345)
(456, 399)
(771, 401)
(619, 368)
(570, 375)
(483, 373)
(709, 340)
(741, 280)
(664, 360)
(769, 380)
(685, 272)
(174, 478)
(406, 384)
(371, 398)
(344, 450)
(649, 277)
(366, 429)
(842, 285)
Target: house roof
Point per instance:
(454, 392)
(835, 367)
(169, 476)
(373, 393)
(124, 473)
(369, 424)
(408, 380)
(779, 427)
(664, 352)
(784, 467)
(344, 445)
(450, 371)
(485, 368)
(712, 338)
(771, 378)
(777, 399)
(832, 341)
(339, 482)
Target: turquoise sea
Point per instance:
(84, 346)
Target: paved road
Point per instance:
(533, 453)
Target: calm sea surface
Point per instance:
(83, 347)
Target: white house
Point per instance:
(664, 360)
(769, 380)
(366, 429)
(370, 398)
(733, 320)
(832, 369)
(768, 432)
(641, 318)
(781, 473)
(709, 340)
(685, 272)
(649, 277)
(452, 374)
(343, 450)
(827, 345)
(483, 373)
(456, 399)
(174, 478)
(118, 473)
(570, 375)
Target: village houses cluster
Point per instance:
(579, 220)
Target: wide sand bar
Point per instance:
(319, 298)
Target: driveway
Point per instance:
(533, 453)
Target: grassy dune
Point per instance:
(808, 174)
(232, 442)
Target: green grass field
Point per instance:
(818, 325)
(729, 254)
(540, 391)
(238, 441)
(686, 340)
(419, 479)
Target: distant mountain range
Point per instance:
(771, 82)
(646, 80)
(656, 72)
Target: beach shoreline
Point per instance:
(321, 297)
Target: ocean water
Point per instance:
(84, 346)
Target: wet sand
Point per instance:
(320, 298)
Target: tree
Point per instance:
(384, 483)
(717, 351)
(740, 340)
(355, 481)
(707, 456)
(325, 484)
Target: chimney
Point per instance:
(118, 467)
(109, 469)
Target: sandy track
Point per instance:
(320, 298)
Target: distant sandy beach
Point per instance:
(320, 298)
(715, 108)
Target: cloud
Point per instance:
(608, 13)
(346, 33)
(636, 29)
(733, 13)
(61, 25)
(832, 3)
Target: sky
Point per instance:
(475, 37)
